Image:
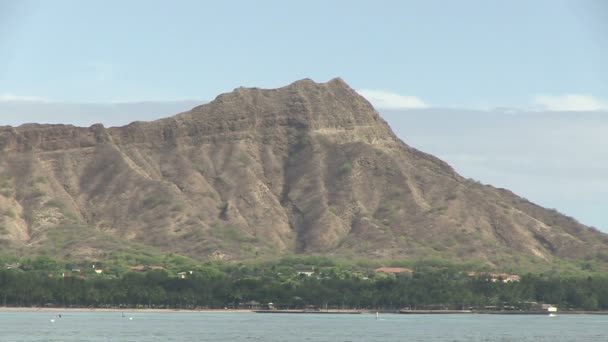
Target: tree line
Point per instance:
(233, 287)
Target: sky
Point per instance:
(554, 158)
(524, 82)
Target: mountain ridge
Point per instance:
(306, 168)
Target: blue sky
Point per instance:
(446, 53)
(524, 82)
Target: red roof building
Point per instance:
(394, 270)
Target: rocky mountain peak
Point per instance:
(306, 168)
(333, 98)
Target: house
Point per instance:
(12, 266)
(183, 275)
(394, 270)
(494, 277)
(548, 307)
(539, 307)
(98, 268)
(251, 305)
(307, 271)
(507, 278)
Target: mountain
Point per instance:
(307, 168)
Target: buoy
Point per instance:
(52, 320)
(130, 318)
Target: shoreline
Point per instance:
(395, 312)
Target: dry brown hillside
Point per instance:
(310, 167)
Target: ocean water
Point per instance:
(28, 326)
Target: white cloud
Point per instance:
(12, 97)
(569, 102)
(388, 100)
